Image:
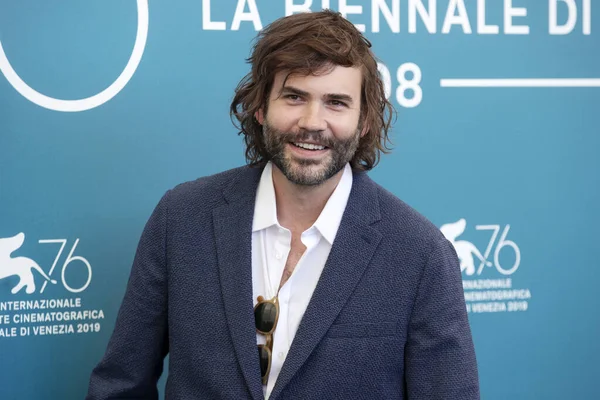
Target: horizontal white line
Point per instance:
(567, 82)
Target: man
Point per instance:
(296, 277)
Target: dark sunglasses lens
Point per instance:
(265, 316)
(263, 354)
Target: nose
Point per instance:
(312, 118)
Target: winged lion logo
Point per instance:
(20, 266)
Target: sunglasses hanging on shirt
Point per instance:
(266, 314)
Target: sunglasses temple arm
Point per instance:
(269, 343)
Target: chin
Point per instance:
(312, 175)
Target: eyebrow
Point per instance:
(329, 96)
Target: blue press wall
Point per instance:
(518, 166)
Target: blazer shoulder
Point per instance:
(206, 191)
(403, 220)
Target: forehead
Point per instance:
(338, 80)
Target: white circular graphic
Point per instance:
(94, 101)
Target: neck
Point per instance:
(298, 207)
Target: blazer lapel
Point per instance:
(233, 237)
(352, 250)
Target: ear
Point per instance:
(364, 130)
(260, 116)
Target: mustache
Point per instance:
(312, 136)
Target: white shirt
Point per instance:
(271, 245)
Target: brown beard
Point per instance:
(341, 152)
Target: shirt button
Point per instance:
(281, 355)
(278, 256)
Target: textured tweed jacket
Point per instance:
(387, 319)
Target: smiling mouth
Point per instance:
(309, 146)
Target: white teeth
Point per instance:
(310, 146)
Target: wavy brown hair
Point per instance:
(312, 43)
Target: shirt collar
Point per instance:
(265, 209)
(330, 218)
(328, 222)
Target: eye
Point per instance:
(292, 97)
(338, 103)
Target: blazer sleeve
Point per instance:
(440, 360)
(133, 361)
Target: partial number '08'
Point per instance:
(68, 262)
(409, 93)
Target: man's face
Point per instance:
(311, 128)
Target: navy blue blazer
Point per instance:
(387, 319)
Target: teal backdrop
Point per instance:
(104, 105)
